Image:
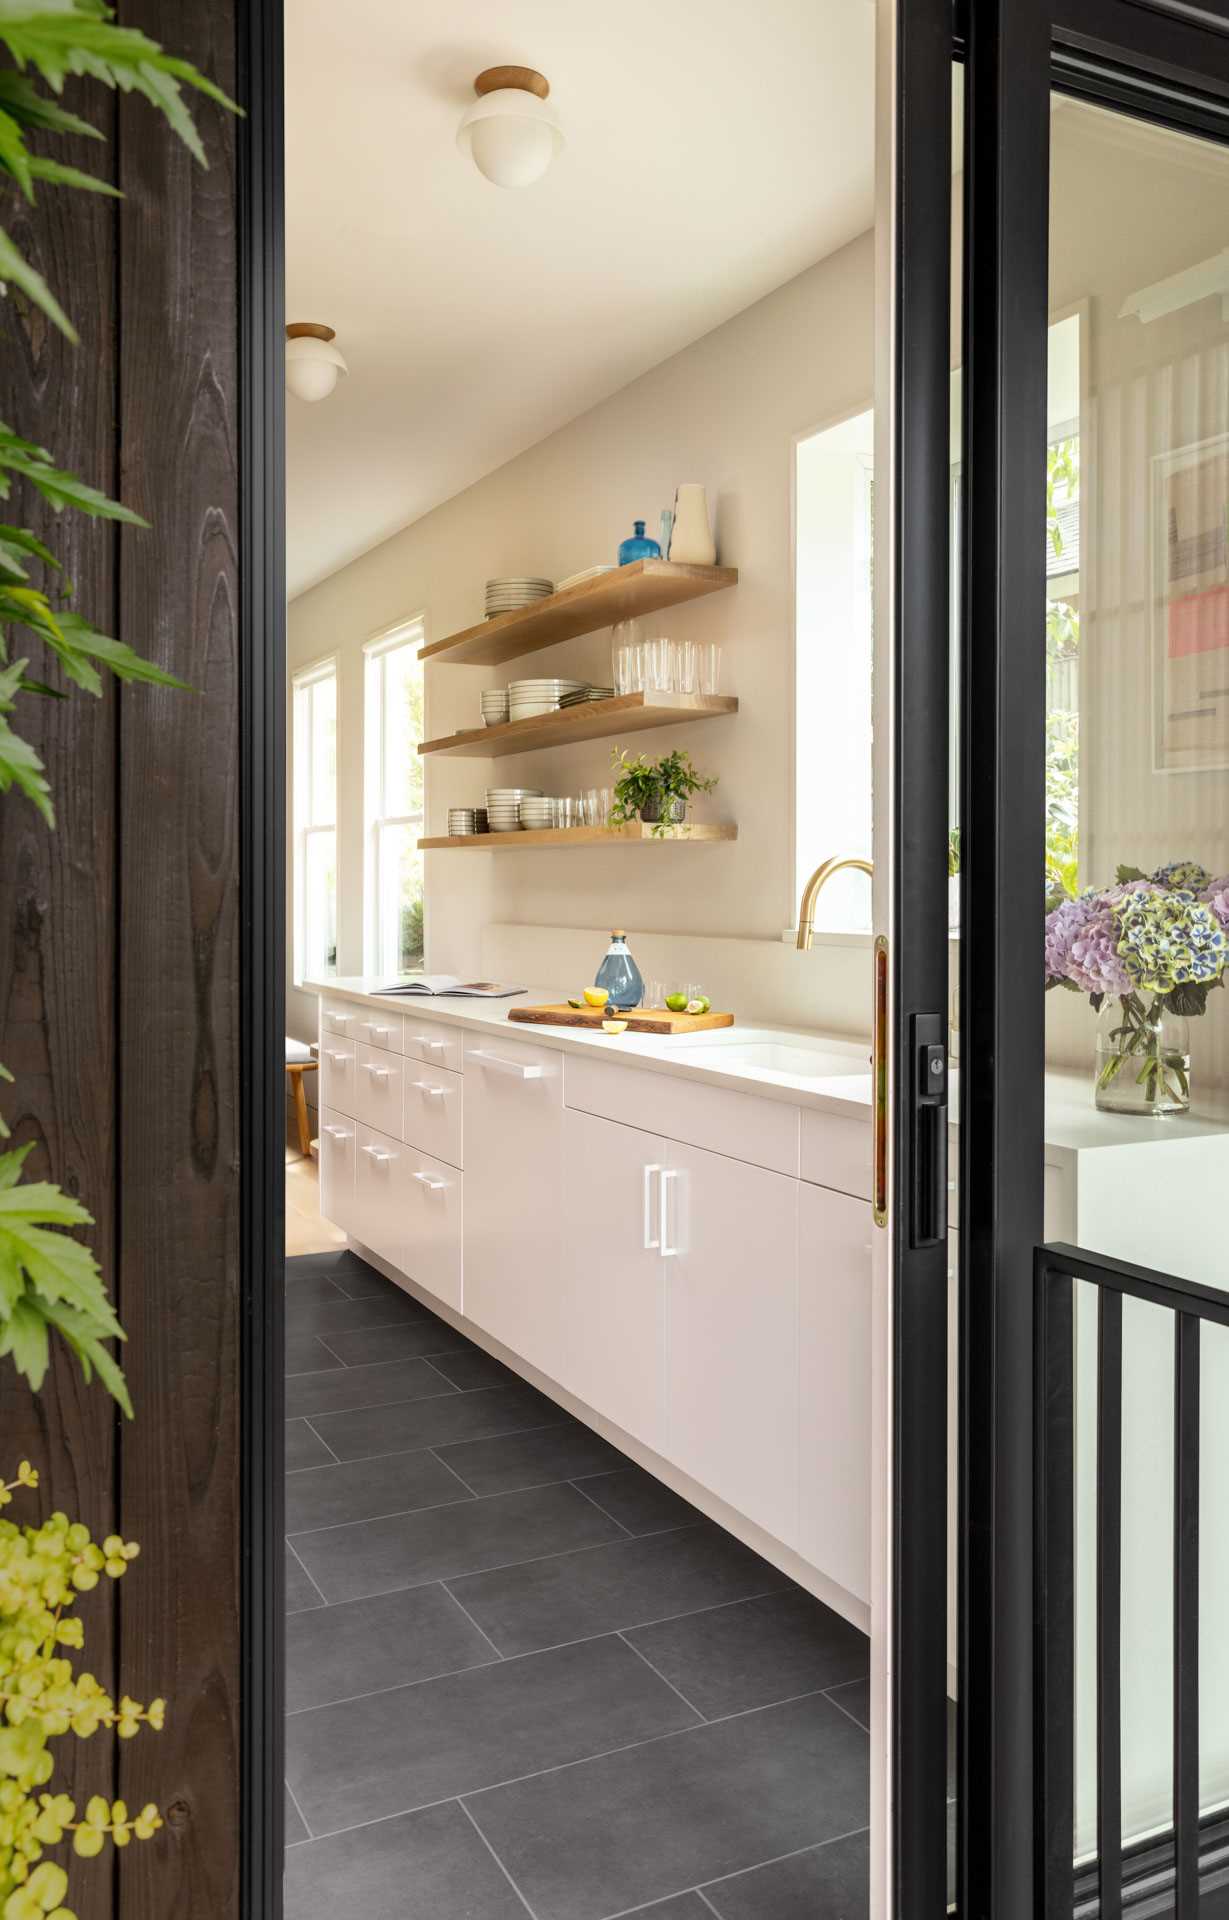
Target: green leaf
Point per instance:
(24, 1335)
(14, 155)
(80, 639)
(58, 488)
(14, 540)
(20, 765)
(81, 1334)
(16, 271)
(1126, 874)
(58, 175)
(22, 99)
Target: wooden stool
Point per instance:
(299, 1062)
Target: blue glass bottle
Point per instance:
(639, 547)
(620, 975)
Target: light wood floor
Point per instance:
(306, 1232)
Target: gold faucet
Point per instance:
(811, 892)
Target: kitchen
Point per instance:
(656, 1247)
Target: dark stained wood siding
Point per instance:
(119, 950)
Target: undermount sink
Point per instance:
(732, 1052)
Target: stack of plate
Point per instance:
(507, 594)
(495, 706)
(465, 820)
(579, 698)
(589, 573)
(503, 806)
(529, 697)
(539, 813)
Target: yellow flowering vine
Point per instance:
(43, 1570)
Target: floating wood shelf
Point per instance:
(635, 834)
(588, 720)
(645, 586)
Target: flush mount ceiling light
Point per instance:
(510, 133)
(313, 364)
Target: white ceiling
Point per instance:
(714, 150)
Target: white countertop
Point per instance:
(1073, 1123)
(844, 1090)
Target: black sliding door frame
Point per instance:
(261, 720)
(1168, 64)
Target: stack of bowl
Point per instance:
(529, 697)
(466, 820)
(537, 813)
(494, 706)
(513, 591)
(503, 806)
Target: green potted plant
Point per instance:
(656, 792)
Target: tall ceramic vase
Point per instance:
(692, 539)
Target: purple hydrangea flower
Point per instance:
(1216, 895)
(1081, 942)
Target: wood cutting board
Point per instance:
(639, 1020)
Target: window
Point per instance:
(315, 822)
(394, 790)
(834, 499)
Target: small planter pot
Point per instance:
(669, 813)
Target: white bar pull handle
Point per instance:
(650, 1243)
(377, 1073)
(426, 1180)
(667, 1251)
(336, 1133)
(338, 1059)
(425, 1087)
(341, 1019)
(378, 1033)
(515, 1068)
(378, 1155)
(435, 1046)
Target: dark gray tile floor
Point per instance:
(522, 1676)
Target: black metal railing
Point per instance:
(1170, 1875)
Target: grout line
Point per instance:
(678, 1691)
(501, 1566)
(397, 1513)
(703, 1898)
(298, 1809)
(328, 1349)
(410, 1400)
(601, 1509)
(307, 1419)
(473, 1623)
(323, 1601)
(813, 1846)
(365, 1459)
(606, 1753)
(498, 1862)
(435, 1455)
(634, 1626)
(829, 1693)
(397, 1686)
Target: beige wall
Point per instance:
(724, 412)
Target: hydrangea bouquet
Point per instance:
(1157, 943)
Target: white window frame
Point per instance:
(408, 633)
(305, 826)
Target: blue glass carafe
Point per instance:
(620, 975)
(639, 547)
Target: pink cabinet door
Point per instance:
(834, 1374)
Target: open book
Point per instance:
(444, 983)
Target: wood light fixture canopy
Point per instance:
(313, 364)
(510, 133)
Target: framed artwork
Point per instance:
(1190, 607)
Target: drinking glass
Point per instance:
(626, 664)
(654, 994)
(656, 666)
(683, 666)
(566, 813)
(710, 667)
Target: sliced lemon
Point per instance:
(697, 1006)
(614, 1026)
(596, 996)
